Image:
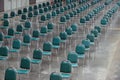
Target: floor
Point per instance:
(102, 65)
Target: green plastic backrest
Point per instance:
(54, 6)
(58, 5)
(47, 3)
(49, 7)
(86, 43)
(36, 33)
(82, 20)
(47, 46)
(58, 11)
(63, 19)
(37, 54)
(98, 28)
(66, 67)
(95, 32)
(61, 9)
(30, 14)
(71, 14)
(55, 76)
(35, 12)
(80, 49)
(43, 29)
(69, 31)
(19, 12)
(50, 25)
(43, 18)
(26, 38)
(11, 32)
(30, 8)
(48, 16)
(45, 9)
(40, 5)
(72, 57)
(25, 10)
(25, 63)
(4, 51)
(75, 12)
(90, 37)
(63, 35)
(10, 74)
(41, 10)
(74, 27)
(68, 1)
(54, 13)
(35, 7)
(12, 14)
(65, 8)
(27, 24)
(56, 41)
(5, 16)
(103, 21)
(87, 18)
(67, 16)
(6, 23)
(16, 44)
(44, 4)
(19, 28)
(23, 17)
(1, 36)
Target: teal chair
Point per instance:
(3, 56)
(10, 73)
(30, 8)
(55, 76)
(19, 31)
(95, 32)
(5, 16)
(47, 3)
(23, 18)
(98, 29)
(66, 69)
(104, 22)
(36, 60)
(63, 36)
(48, 16)
(47, 48)
(35, 13)
(30, 15)
(19, 12)
(5, 24)
(54, 6)
(25, 67)
(41, 11)
(80, 50)
(50, 26)
(46, 9)
(58, 11)
(74, 27)
(39, 5)
(43, 31)
(67, 17)
(82, 21)
(54, 14)
(35, 7)
(62, 24)
(44, 4)
(25, 10)
(12, 14)
(86, 43)
(62, 10)
(69, 31)
(56, 42)
(49, 8)
(27, 25)
(10, 33)
(91, 37)
(73, 58)
(26, 40)
(43, 18)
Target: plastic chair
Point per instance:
(66, 69)
(55, 76)
(19, 12)
(27, 26)
(5, 24)
(24, 68)
(23, 17)
(30, 8)
(35, 7)
(36, 61)
(5, 16)
(3, 56)
(50, 26)
(1, 38)
(91, 38)
(10, 73)
(25, 10)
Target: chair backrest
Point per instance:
(35, 33)
(25, 63)
(56, 41)
(63, 35)
(12, 14)
(63, 19)
(86, 43)
(19, 28)
(4, 51)
(40, 5)
(55, 76)
(25, 10)
(5, 16)
(41, 10)
(6, 23)
(43, 18)
(10, 74)
(50, 25)
(23, 17)
(72, 57)
(27, 24)
(69, 31)
(35, 7)
(30, 8)
(19, 12)
(1, 36)
(11, 32)
(80, 49)
(91, 37)
(47, 46)
(98, 28)
(74, 27)
(30, 15)
(37, 54)
(66, 67)
(43, 29)
(26, 38)
(16, 44)
(95, 32)
(36, 13)
(48, 16)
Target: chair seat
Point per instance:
(3, 58)
(62, 22)
(8, 36)
(63, 41)
(74, 64)
(65, 75)
(3, 27)
(47, 53)
(26, 28)
(56, 46)
(81, 55)
(36, 61)
(18, 32)
(25, 44)
(23, 71)
(50, 30)
(14, 50)
(22, 20)
(34, 39)
(86, 49)
(43, 34)
(92, 43)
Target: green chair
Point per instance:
(104, 22)
(4, 53)
(5, 24)
(49, 8)
(19, 12)
(50, 26)
(26, 40)
(47, 48)
(63, 36)
(39, 5)
(55, 76)
(41, 11)
(82, 21)
(12, 14)
(35, 35)
(36, 60)
(44, 4)
(62, 19)
(46, 9)
(23, 18)
(47, 3)
(10, 33)
(98, 29)
(25, 67)
(86, 43)
(30, 15)
(73, 58)
(48, 16)
(95, 32)
(58, 11)
(54, 13)
(74, 27)
(35, 13)
(67, 17)
(43, 18)
(91, 37)
(69, 31)
(10, 73)
(43, 31)
(80, 50)
(19, 29)
(62, 10)
(66, 69)
(25, 10)
(27, 25)
(56, 42)
(35, 7)
(5, 16)
(30, 8)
